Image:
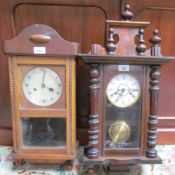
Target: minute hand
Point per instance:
(43, 85)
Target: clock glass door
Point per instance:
(43, 118)
(123, 108)
(44, 132)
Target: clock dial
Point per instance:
(42, 86)
(123, 90)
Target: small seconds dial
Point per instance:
(123, 90)
(42, 86)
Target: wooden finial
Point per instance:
(111, 45)
(127, 15)
(141, 47)
(155, 40)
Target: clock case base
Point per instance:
(122, 160)
(115, 165)
(20, 160)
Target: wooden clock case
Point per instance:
(125, 47)
(41, 46)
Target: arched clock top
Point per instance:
(40, 39)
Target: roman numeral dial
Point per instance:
(123, 90)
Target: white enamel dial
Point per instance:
(42, 86)
(123, 90)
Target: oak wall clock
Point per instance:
(42, 87)
(124, 89)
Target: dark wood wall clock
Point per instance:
(124, 95)
(42, 85)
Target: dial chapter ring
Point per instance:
(123, 90)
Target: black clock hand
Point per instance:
(131, 92)
(120, 91)
(117, 92)
(43, 85)
(114, 93)
(51, 89)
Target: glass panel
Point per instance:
(123, 126)
(40, 132)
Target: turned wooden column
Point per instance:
(93, 151)
(154, 92)
(152, 121)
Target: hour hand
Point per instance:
(114, 93)
(44, 86)
(51, 89)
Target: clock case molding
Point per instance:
(125, 45)
(60, 56)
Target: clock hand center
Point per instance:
(122, 91)
(43, 85)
